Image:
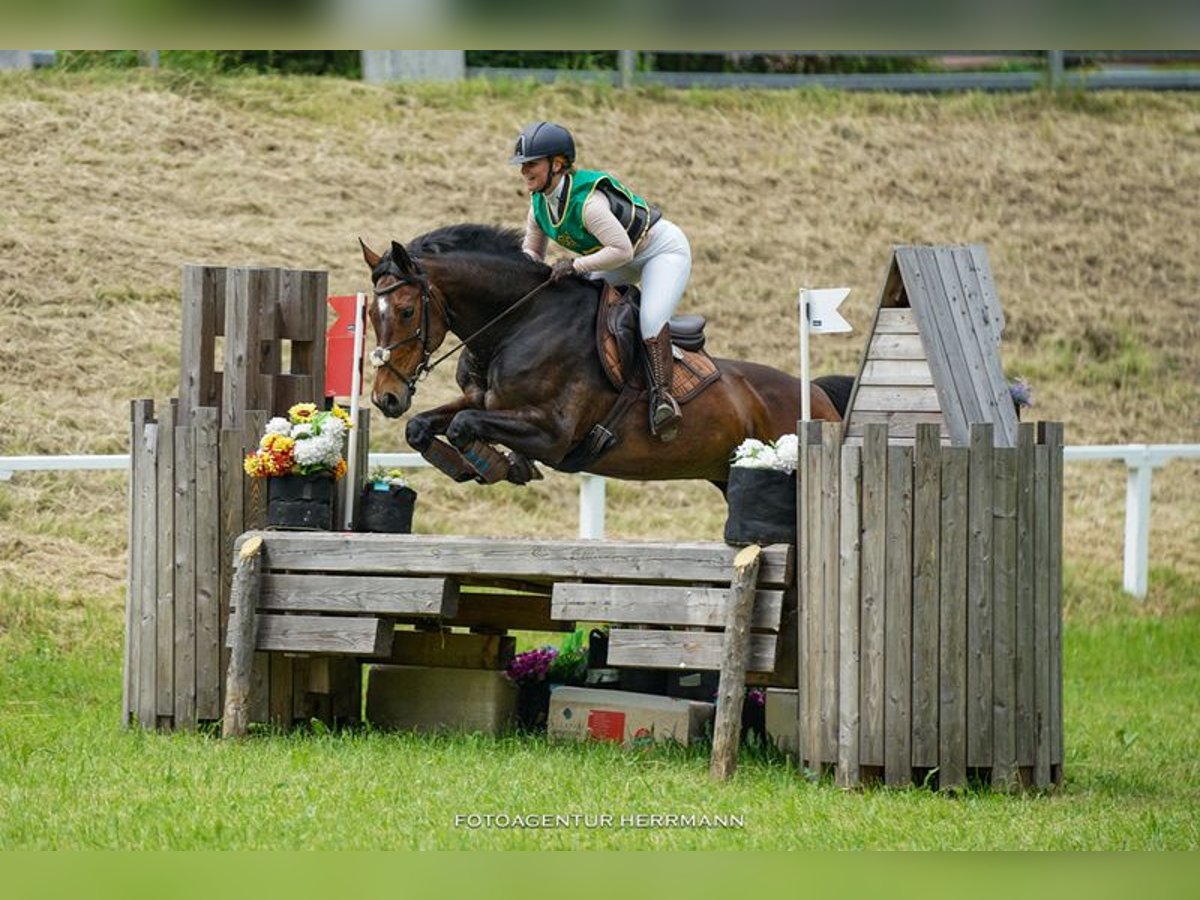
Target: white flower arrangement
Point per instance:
(781, 455)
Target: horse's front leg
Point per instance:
(528, 431)
(422, 435)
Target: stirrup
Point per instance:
(665, 427)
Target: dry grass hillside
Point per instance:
(1088, 206)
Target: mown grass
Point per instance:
(71, 778)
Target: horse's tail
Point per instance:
(837, 388)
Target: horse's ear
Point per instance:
(369, 255)
(401, 258)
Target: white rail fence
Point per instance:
(1140, 460)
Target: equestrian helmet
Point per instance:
(543, 139)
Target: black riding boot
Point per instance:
(664, 411)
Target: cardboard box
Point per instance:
(591, 714)
(781, 712)
(421, 698)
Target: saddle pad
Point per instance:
(617, 342)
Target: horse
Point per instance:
(531, 375)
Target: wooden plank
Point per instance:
(281, 690)
(902, 426)
(206, 443)
(927, 471)
(1026, 569)
(831, 442)
(185, 578)
(942, 362)
(952, 592)
(874, 548)
(233, 479)
(493, 611)
(346, 695)
(239, 381)
(254, 516)
(658, 605)
(805, 597)
(623, 561)
(979, 598)
(1041, 616)
(203, 307)
(992, 312)
(1004, 619)
(356, 636)
(131, 652)
(913, 372)
(309, 358)
(981, 363)
(849, 658)
(891, 294)
(165, 545)
(898, 399)
(896, 320)
(814, 547)
(444, 649)
(236, 718)
(965, 263)
(895, 346)
(897, 654)
(683, 649)
(377, 594)
(144, 560)
(1052, 437)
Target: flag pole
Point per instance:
(805, 400)
(355, 389)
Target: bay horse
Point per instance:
(532, 380)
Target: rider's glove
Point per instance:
(562, 269)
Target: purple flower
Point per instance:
(532, 665)
(1021, 391)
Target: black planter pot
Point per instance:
(533, 706)
(301, 502)
(762, 507)
(389, 511)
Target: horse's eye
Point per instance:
(407, 314)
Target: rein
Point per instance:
(381, 356)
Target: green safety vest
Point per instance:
(570, 230)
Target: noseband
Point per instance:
(381, 356)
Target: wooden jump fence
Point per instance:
(930, 611)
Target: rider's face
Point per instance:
(534, 172)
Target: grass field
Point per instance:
(115, 179)
(70, 778)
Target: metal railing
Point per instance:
(1140, 460)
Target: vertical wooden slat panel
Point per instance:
(874, 544)
(148, 566)
(897, 655)
(185, 578)
(816, 620)
(206, 446)
(1004, 619)
(1053, 438)
(952, 660)
(1041, 616)
(831, 440)
(254, 517)
(979, 598)
(203, 301)
(1026, 568)
(345, 691)
(233, 478)
(927, 465)
(282, 690)
(137, 658)
(849, 658)
(165, 628)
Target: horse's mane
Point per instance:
(469, 238)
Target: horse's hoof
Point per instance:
(522, 470)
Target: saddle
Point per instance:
(618, 338)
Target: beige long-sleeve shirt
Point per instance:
(616, 248)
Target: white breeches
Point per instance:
(661, 267)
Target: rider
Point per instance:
(622, 239)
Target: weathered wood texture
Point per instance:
(245, 593)
(943, 607)
(731, 694)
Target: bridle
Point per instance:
(381, 356)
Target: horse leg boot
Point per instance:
(664, 411)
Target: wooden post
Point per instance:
(244, 599)
(727, 731)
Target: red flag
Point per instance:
(339, 348)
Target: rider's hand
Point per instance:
(562, 269)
